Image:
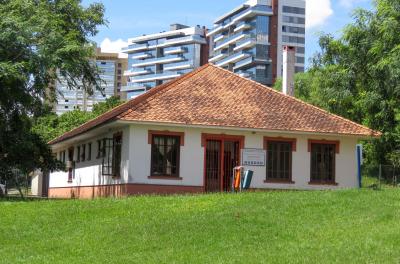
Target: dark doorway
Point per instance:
(231, 160)
(213, 165)
(221, 156)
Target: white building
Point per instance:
(111, 68)
(159, 58)
(188, 134)
(249, 39)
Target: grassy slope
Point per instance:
(274, 227)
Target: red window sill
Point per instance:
(323, 183)
(279, 181)
(165, 178)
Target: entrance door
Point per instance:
(221, 156)
(213, 165)
(231, 160)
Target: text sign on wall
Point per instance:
(253, 157)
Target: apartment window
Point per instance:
(294, 20)
(119, 65)
(119, 78)
(296, 30)
(89, 157)
(299, 59)
(292, 39)
(299, 69)
(66, 107)
(300, 50)
(165, 153)
(294, 10)
(83, 155)
(119, 71)
(119, 84)
(323, 161)
(279, 159)
(66, 101)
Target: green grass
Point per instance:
(266, 227)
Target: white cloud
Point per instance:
(318, 11)
(108, 45)
(350, 3)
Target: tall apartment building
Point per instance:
(249, 40)
(158, 58)
(111, 68)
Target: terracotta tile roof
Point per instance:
(212, 96)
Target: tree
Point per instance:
(357, 76)
(40, 40)
(51, 126)
(102, 107)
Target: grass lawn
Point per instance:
(266, 227)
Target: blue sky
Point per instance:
(129, 18)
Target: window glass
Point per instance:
(323, 158)
(279, 165)
(165, 155)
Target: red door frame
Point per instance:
(222, 138)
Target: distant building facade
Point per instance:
(111, 68)
(158, 58)
(249, 40)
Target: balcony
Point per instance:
(154, 77)
(230, 40)
(243, 63)
(219, 37)
(180, 41)
(135, 72)
(245, 44)
(133, 94)
(259, 10)
(135, 47)
(250, 60)
(233, 58)
(242, 26)
(141, 56)
(175, 50)
(219, 55)
(215, 30)
(134, 86)
(266, 80)
(179, 65)
(160, 60)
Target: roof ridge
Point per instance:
(118, 110)
(298, 100)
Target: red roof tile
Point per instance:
(212, 96)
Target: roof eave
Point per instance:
(298, 132)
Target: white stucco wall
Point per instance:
(192, 158)
(136, 158)
(88, 173)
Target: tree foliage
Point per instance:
(38, 39)
(357, 76)
(51, 126)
